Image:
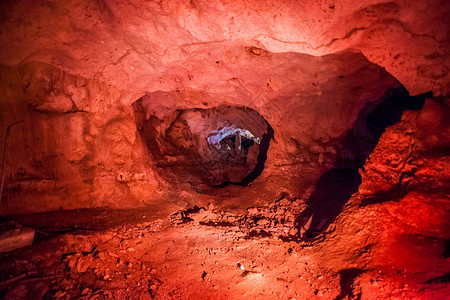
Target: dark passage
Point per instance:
(261, 159)
(337, 185)
(347, 280)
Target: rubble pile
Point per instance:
(278, 218)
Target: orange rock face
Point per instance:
(315, 129)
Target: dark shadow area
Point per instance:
(332, 191)
(440, 279)
(257, 233)
(387, 113)
(347, 280)
(262, 156)
(446, 253)
(336, 186)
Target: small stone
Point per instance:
(280, 212)
(106, 277)
(60, 294)
(320, 159)
(252, 211)
(330, 150)
(263, 222)
(72, 261)
(84, 263)
(285, 202)
(122, 177)
(85, 291)
(293, 231)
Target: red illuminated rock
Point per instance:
(409, 171)
(111, 104)
(134, 45)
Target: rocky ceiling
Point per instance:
(99, 87)
(141, 46)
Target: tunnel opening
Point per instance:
(205, 147)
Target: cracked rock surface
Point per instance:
(341, 193)
(134, 45)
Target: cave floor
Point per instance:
(365, 254)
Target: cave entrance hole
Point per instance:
(212, 147)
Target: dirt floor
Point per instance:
(206, 253)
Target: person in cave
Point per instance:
(228, 143)
(235, 148)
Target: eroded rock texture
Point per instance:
(81, 139)
(316, 129)
(409, 171)
(139, 45)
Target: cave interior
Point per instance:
(224, 149)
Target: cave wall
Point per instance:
(409, 171)
(74, 145)
(71, 72)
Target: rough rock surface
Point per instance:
(83, 148)
(141, 46)
(91, 94)
(210, 254)
(393, 245)
(71, 70)
(410, 171)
